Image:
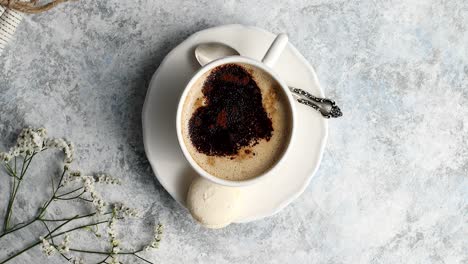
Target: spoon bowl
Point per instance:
(208, 52)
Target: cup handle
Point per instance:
(275, 50)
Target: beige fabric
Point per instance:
(9, 21)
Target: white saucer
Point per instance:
(159, 129)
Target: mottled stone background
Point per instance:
(393, 184)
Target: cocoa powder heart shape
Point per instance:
(233, 115)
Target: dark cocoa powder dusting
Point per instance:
(233, 116)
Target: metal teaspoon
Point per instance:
(207, 52)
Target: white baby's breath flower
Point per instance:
(29, 141)
(103, 178)
(64, 247)
(6, 157)
(158, 231)
(88, 183)
(76, 260)
(112, 232)
(95, 229)
(88, 187)
(115, 250)
(69, 152)
(122, 211)
(42, 132)
(15, 152)
(114, 259)
(47, 248)
(59, 143)
(37, 140)
(72, 175)
(75, 173)
(98, 202)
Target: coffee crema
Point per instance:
(236, 121)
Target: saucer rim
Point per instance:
(294, 195)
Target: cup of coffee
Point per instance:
(235, 118)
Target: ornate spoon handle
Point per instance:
(324, 106)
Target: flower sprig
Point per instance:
(72, 185)
(158, 231)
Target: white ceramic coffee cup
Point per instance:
(266, 65)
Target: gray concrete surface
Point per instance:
(392, 187)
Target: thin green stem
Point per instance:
(48, 220)
(104, 260)
(10, 170)
(24, 163)
(12, 198)
(61, 254)
(89, 251)
(62, 224)
(70, 198)
(61, 179)
(28, 160)
(48, 230)
(20, 252)
(52, 181)
(67, 193)
(100, 252)
(12, 191)
(145, 260)
(134, 253)
(53, 242)
(53, 196)
(18, 228)
(78, 227)
(16, 225)
(86, 200)
(39, 217)
(6, 222)
(79, 217)
(51, 235)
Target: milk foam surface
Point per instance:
(250, 161)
